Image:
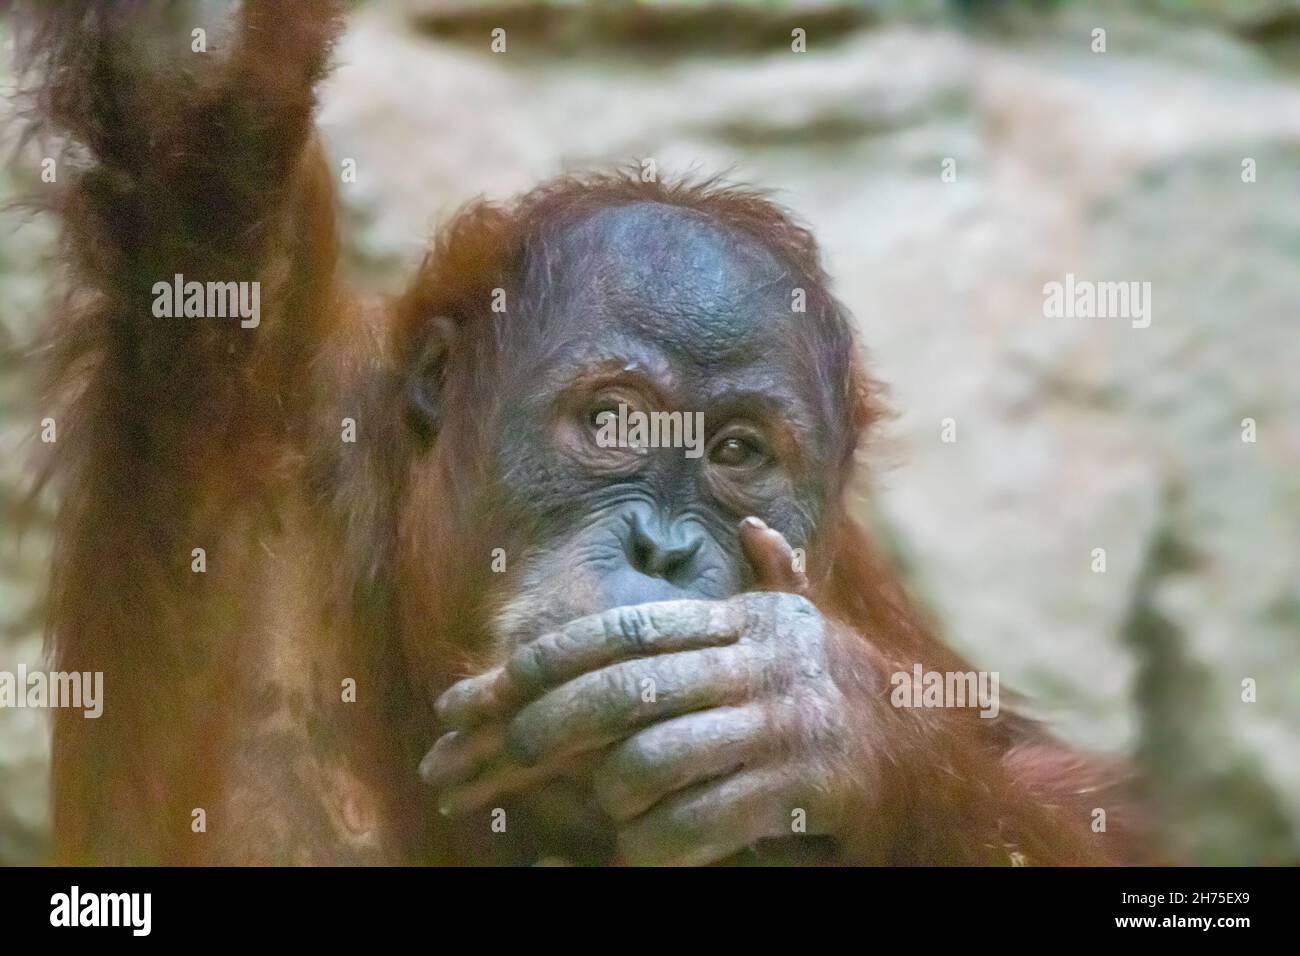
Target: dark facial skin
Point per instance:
(636, 665)
(658, 309)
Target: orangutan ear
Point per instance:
(424, 384)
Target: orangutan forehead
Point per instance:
(668, 274)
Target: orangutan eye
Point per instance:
(736, 452)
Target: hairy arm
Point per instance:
(179, 431)
(202, 165)
(955, 788)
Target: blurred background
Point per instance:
(953, 157)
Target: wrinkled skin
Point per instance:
(699, 715)
(757, 714)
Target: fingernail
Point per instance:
(754, 522)
(426, 768)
